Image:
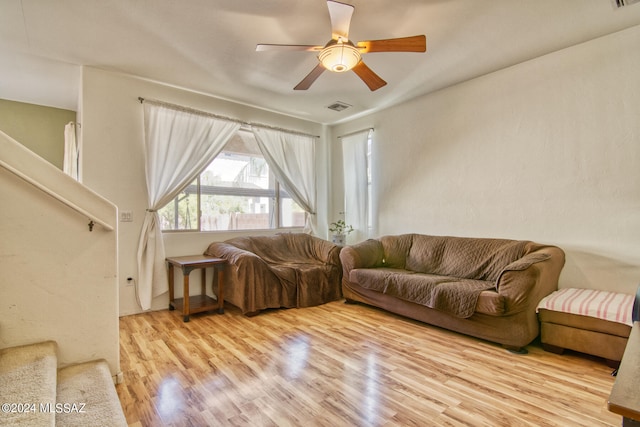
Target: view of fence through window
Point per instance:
(237, 191)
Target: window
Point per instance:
(237, 191)
(369, 188)
(358, 178)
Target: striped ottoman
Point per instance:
(588, 321)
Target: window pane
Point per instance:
(182, 212)
(237, 189)
(239, 165)
(225, 212)
(291, 214)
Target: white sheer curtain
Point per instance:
(354, 163)
(291, 157)
(70, 163)
(179, 144)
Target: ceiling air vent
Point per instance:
(339, 106)
(621, 3)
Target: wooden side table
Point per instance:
(624, 398)
(198, 303)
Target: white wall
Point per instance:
(113, 160)
(548, 150)
(58, 277)
(36, 80)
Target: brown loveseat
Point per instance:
(487, 288)
(284, 270)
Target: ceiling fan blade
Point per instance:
(287, 47)
(340, 14)
(370, 78)
(311, 77)
(403, 44)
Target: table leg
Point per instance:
(185, 296)
(203, 284)
(221, 290)
(171, 298)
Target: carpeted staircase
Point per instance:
(34, 392)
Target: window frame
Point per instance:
(274, 195)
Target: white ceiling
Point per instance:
(209, 45)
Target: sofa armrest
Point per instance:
(243, 264)
(231, 253)
(326, 252)
(524, 282)
(367, 254)
(250, 283)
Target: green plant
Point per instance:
(340, 228)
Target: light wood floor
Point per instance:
(345, 365)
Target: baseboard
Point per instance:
(118, 378)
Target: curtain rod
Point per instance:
(204, 113)
(189, 110)
(259, 125)
(357, 131)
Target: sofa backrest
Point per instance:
(464, 257)
(288, 248)
(396, 250)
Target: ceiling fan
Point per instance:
(340, 54)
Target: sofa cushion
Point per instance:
(605, 305)
(456, 296)
(469, 258)
(395, 250)
(369, 277)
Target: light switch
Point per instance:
(126, 216)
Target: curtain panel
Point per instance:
(179, 144)
(291, 157)
(354, 163)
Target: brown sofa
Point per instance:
(284, 270)
(487, 288)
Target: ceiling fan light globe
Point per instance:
(339, 57)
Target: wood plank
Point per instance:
(343, 364)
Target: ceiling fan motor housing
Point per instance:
(339, 56)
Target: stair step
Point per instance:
(87, 396)
(28, 381)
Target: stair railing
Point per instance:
(28, 166)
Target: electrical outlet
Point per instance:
(126, 216)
